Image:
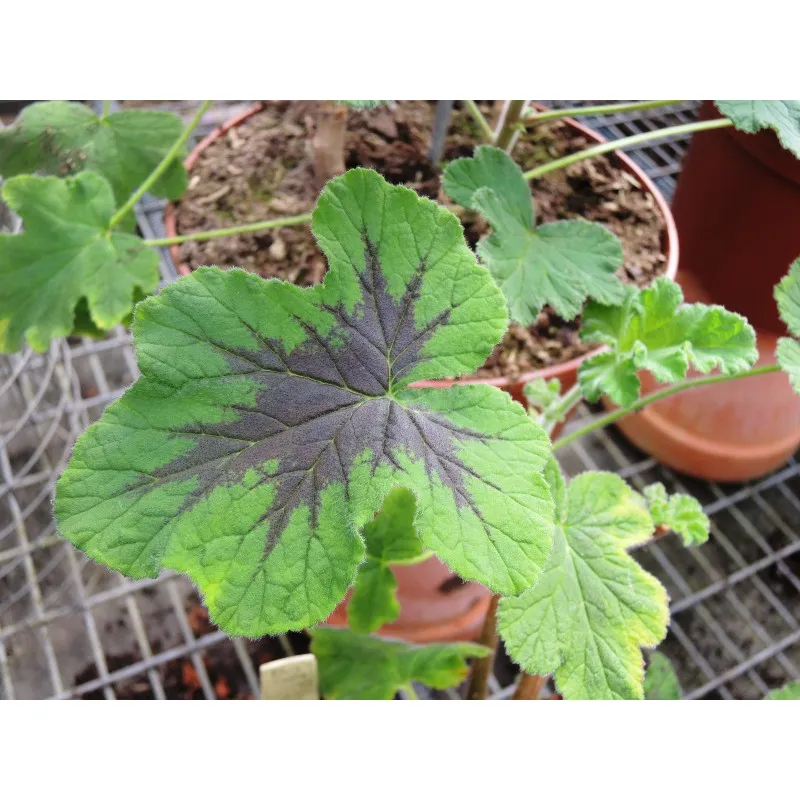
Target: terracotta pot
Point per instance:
(736, 208)
(435, 604)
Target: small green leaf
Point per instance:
(494, 169)
(374, 600)
(271, 422)
(661, 681)
(559, 263)
(60, 138)
(357, 667)
(787, 294)
(390, 539)
(594, 606)
(751, 116)
(545, 396)
(788, 354)
(789, 692)
(66, 264)
(678, 512)
(653, 330)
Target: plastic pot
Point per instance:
(736, 208)
(435, 604)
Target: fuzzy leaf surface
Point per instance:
(64, 271)
(558, 263)
(788, 354)
(594, 607)
(751, 116)
(661, 681)
(787, 295)
(681, 513)
(357, 667)
(390, 539)
(654, 330)
(61, 138)
(271, 422)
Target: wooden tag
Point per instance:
(292, 678)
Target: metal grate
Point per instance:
(71, 628)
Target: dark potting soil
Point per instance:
(180, 679)
(263, 169)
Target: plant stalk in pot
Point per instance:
(287, 444)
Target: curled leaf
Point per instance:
(678, 512)
(654, 330)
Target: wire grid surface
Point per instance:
(72, 628)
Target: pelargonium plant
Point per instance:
(278, 449)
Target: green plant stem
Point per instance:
(508, 127)
(532, 117)
(106, 108)
(478, 687)
(411, 692)
(486, 129)
(621, 144)
(218, 233)
(569, 399)
(613, 416)
(161, 168)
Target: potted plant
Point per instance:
(447, 464)
(272, 423)
(737, 197)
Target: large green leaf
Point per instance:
(660, 680)
(653, 330)
(66, 263)
(594, 606)
(270, 423)
(60, 138)
(357, 667)
(678, 512)
(390, 539)
(559, 263)
(751, 116)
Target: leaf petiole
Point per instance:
(218, 233)
(160, 168)
(411, 692)
(484, 126)
(621, 144)
(611, 108)
(613, 416)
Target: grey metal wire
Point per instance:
(62, 616)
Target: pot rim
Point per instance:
(669, 245)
